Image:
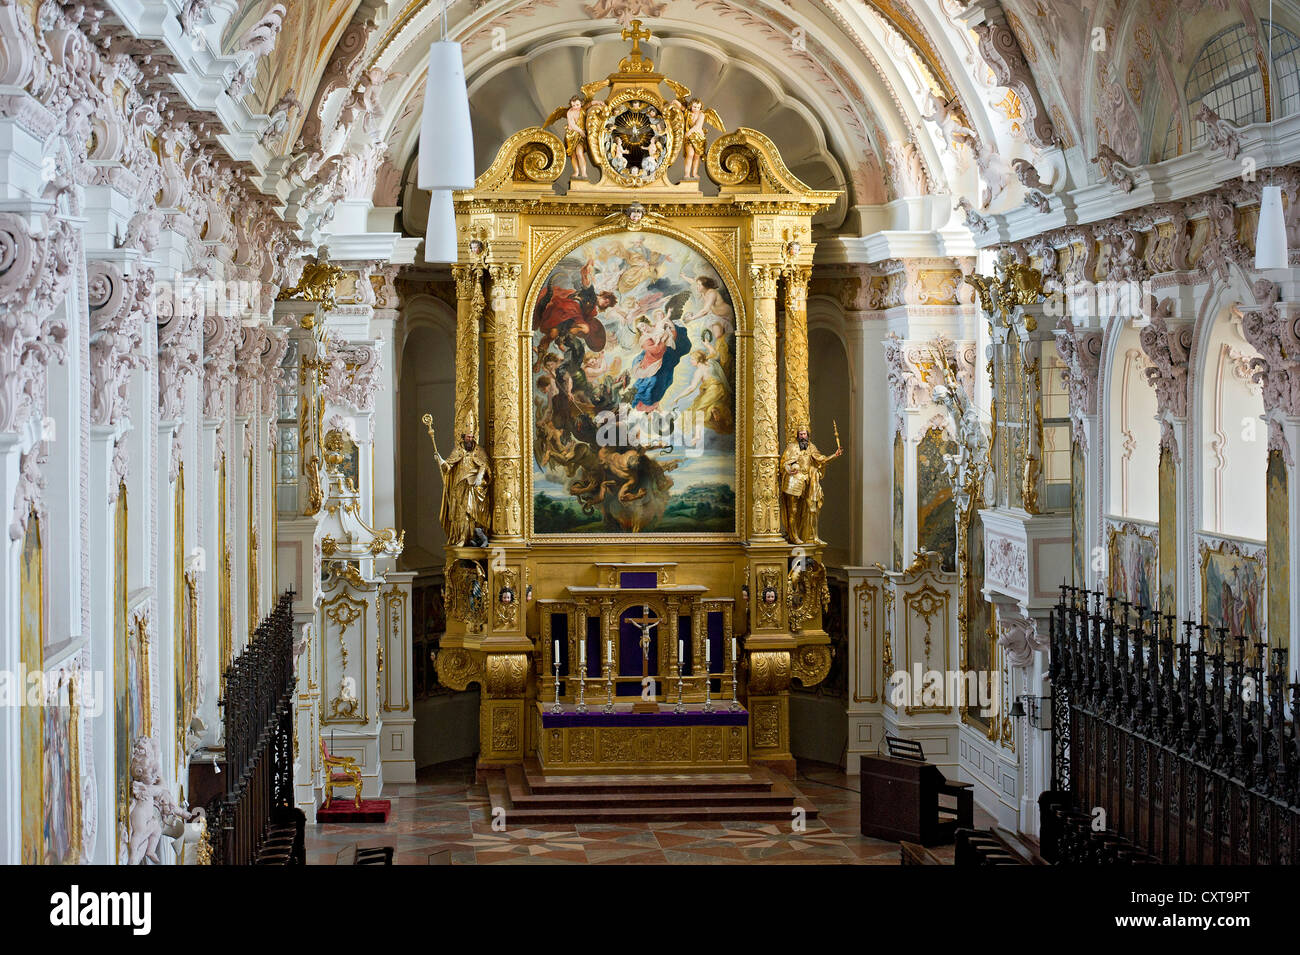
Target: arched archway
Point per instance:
(1132, 433)
(446, 721)
(1232, 443)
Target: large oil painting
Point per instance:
(31, 591)
(1079, 514)
(899, 501)
(61, 816)
(980, 635)
(1232, 590)
(634, 398)
(936, 515)
(1168, 509)
(1279, 546)
(1134, 560)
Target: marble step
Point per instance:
(744, 781)
(523, 794)
(512, 791)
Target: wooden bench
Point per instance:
(909, 853)
(355, 855)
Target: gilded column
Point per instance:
(797, 408)
(469, 313)
(508, 493)
(765, 521)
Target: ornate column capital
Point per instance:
(119, 306)
(1273, 329)
(219, 335)
(352, 375)
(764, 279)
(38, 271)
(1080, 351)
(1167, 348)
(908, 389)
(797, 278)
(505, 280)
(178, 358)
(466, 278)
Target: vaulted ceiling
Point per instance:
(842, 86)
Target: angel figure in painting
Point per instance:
(802, 467)
(711, 390)
(575, 132)
(696, 118)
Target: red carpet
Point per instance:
(345, 810)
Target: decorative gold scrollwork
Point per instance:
(467, 594)
(807, 592)
(810, 664)
(507, 675)
(769, 598)
(769, 672)
(458, 668)
(531, 155)
(734, 164)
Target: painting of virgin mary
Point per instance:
(629, 434)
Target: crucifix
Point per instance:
(645, 623)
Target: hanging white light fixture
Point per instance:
(446, 140)
(440, 233)
(1270, 240)
(1270, 237)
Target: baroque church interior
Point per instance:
(650, 431)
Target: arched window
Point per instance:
(1225, 75)
(1286, 69)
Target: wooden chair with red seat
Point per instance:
(340, 771)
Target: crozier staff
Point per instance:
(466, 475)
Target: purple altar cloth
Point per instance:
(622, 716)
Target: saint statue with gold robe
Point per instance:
(802, 466)
(466, 509)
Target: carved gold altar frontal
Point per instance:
(623, 324)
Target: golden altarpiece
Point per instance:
(624, 336)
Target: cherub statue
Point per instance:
(618, 152)
(944, 115)
(696, 118)
(575, 131)
(1220, 132)
(151, 804)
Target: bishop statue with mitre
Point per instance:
(466, 510)
(802, 467)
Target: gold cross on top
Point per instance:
(636, 35)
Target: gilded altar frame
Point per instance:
(513, 227)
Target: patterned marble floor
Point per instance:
(443, 819)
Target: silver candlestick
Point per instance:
(734, 705)
(680, 707)
(555, 707)
(609, 687)
(708, 687)
(582, 690)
